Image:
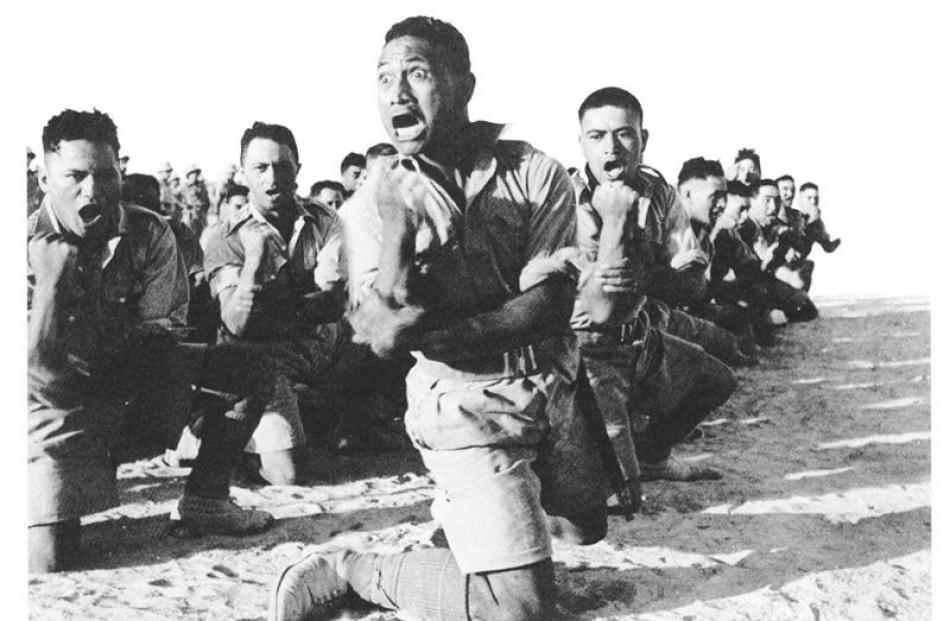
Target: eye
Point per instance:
(385, 79)
(419, 74)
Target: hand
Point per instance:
(400, 195)
(621, 276)
(51, 258)
(242, 300)
(614, 201)
(253, 238)
(687, 257)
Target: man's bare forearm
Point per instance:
(395, 262)
(605, 307)
(535, 315)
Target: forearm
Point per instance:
(235, 315)
(535, 315)
(677, 287)
(395, 262)
(604, 306)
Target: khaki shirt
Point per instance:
(660, 216)
(138, 277)
(309, 262)
(514, 229)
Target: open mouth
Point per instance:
(613, 169)
(408, 126)
(90, 213)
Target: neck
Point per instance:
(449, 149)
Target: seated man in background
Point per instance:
(759, 233)
(814, 226)
(352, 172)
(637, 241)
(275, 269)
(106, 290)
(327, 193)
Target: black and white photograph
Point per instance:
(494, 311)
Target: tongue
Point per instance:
(409, 131)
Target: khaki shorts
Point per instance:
(502, 453)
(281, 427)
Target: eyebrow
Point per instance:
(413, 58)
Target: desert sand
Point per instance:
(823, 511)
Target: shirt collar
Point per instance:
(249, 212)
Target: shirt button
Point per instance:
(72, 319)
(122, 300)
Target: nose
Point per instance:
(401, 92)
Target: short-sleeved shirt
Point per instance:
(308, 263)
(660, 216)
(511, 227)
(138, 277)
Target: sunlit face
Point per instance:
(352, 178)
(703, 199)
(809, 200)
(765, 205)
(421, 100)
(82, 180)
(330, 197)
(786, 192)
(612, 141)
(747, 171)
(270, 170)
(165, 174)
(192, 177)
(735, 211)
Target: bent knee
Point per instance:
(278, 468)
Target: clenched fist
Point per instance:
(614, 201)
(51, 258)
(400, 195)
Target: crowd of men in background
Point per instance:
(539, 329)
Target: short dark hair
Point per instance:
(326, 183)
(808, 185)
(749, 154)
(353, 159)
(277, 133)
(236, 189)
(441, 34)
(69, 124)
(380, 149)
(786, 178)
(738, 188)
(611, 96)
(755, 186)
(142, 190)
(699, 168)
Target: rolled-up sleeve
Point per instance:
(223, 260)
(553, 223)
(330, 263)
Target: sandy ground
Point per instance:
(823, 512)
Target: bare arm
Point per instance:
(237, 303)
(536, 314)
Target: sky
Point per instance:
(840, 97)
